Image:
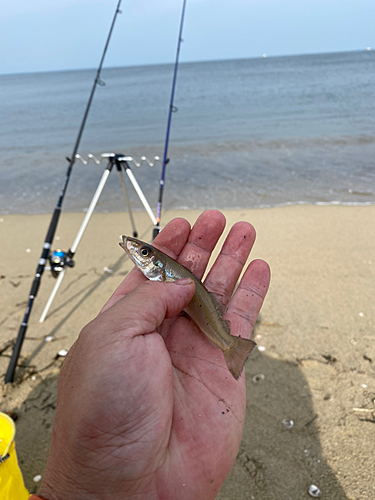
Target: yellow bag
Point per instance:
(11, 481)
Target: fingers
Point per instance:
(202, 240)
(144, 309)
(244, 307)
(224, 274)
(172, 239)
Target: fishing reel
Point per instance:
(59, 260)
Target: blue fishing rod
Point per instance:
(171, 110)
(9, 376)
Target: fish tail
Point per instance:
(236, 355)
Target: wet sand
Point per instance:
(316, 325)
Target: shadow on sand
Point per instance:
(276, 463)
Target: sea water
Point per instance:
(247, 133)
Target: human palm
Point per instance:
(146, 405)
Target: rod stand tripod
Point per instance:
(61, 260)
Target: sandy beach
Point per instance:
(316, 329)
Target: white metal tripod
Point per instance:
(121, 162)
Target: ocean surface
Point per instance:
(247, 133)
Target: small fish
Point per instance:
(203, 308)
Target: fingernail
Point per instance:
(185, 281)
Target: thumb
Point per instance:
(145, 308)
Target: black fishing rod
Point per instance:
(9, 376)
(171, 110)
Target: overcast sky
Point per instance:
(41, 35)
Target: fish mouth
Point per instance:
(127, 245)
(127, 240)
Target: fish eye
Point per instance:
(145, 252)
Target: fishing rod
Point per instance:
(9, 376)
(171, 110)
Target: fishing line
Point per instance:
(172, 109)
(9, 376)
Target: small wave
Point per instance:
(317, 203)
(346, 203)
(360, 193)
(273, 205)
(283, 144)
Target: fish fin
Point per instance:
(219, 304)
(221, 309)
(236, 355)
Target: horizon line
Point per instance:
(263, 56)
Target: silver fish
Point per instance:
(203, 308)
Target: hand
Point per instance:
(146, 406)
